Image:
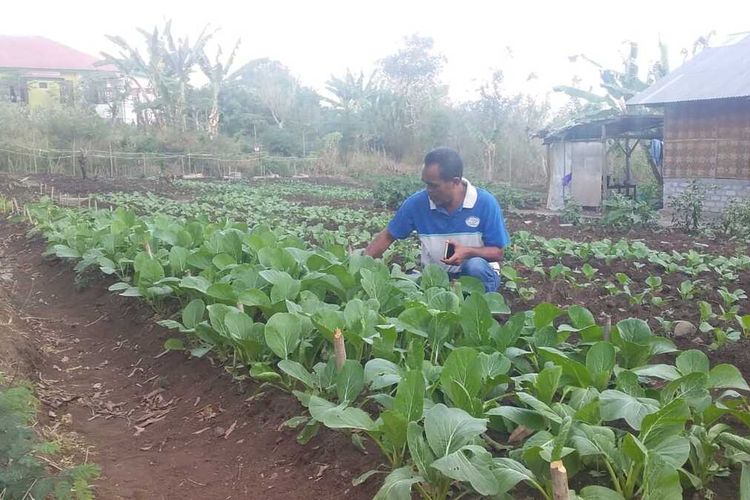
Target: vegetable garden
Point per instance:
(601, 362)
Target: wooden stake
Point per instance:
(339, 349)
(559, 481)
(519, 434)
(607, 327)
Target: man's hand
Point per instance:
(461, 253)
(464, 253)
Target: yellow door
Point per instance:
(43, 93)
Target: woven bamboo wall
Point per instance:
(707, 139)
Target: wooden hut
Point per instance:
(706, 106)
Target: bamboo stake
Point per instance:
(559, 481)
(339, 349)
(607, 327)
(111, 162)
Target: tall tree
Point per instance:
(414, 74)
(498, 128)
(272, 84)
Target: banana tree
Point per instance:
(166, 68)
(217, 76)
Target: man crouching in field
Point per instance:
(461, 227)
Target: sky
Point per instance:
(317, 39)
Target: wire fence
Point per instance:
(22, 160)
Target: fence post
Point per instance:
(111, 162)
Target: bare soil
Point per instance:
(664, 239)
(160, 425)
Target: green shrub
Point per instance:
(572, 213)
(735, 220)
(22, 474)
(513, 197)
(278, 166)
(624, 213)
(652, 194)
(391, 192)
(687, 207)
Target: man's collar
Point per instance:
(470, 199)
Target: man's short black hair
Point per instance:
(449, 162)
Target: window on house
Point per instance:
(42, 85)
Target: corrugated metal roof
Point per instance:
(715, 73)
(36, 52)
(614, 127)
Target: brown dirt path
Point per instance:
(160, 426)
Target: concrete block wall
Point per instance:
(716, 199)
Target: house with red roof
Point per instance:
(41, 72)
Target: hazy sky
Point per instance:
(316, 39)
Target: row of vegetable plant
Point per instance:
(461, 396)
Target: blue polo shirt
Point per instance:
(477, 223)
